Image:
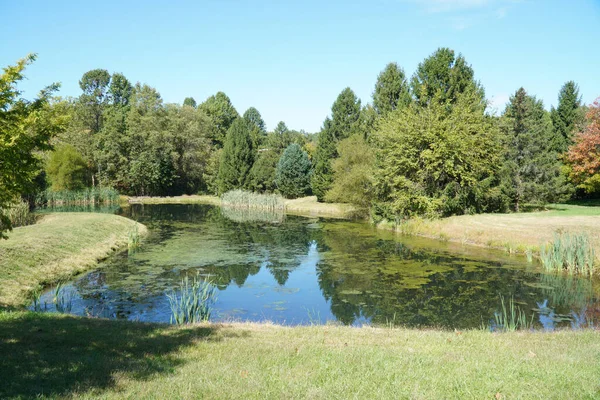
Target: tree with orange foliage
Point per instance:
(584, 155)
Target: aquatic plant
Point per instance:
(512, 318)
(193, 301)
(93, 195)
(62, 300)
(35, 297)
(571, 252)
(249, 200)
(252, 215)
(133, 238)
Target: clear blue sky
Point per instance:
(291, 60)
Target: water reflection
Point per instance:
(289, 270)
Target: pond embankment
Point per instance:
(57, 247)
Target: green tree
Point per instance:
(237, 158)
(391, 90)
(436, 160)
(95, 86)
(353, 173)
(26, 127)
(345, 120)
(262, 174)
(444, 76)
(566, 116)
(190, 102)
(222, 114)
(531, 170)
(293, 172)
(66, 169)
(257, 126)
(120, 90)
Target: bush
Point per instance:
(66, 169)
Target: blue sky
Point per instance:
(291, 59)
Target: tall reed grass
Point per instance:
(94, 195)
(19, 214)
(192, 302)
(571, 252)
(511, 318)
(249, 200)
(133, 238)
(253, 215)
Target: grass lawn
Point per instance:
(512, 232)
(58, 246)
(63, 356)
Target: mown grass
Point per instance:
(58, 356)
(54, 249)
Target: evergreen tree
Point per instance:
(257, 126)
(391, 90)
(222, 114)
(566, 116)
(443, 76)
(237, 158)
(293, 172)
(120, 90)
(190, 102)
(531, 170)
(345, 120)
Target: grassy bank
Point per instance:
(58, 246)
(63, 356)
(514, 233)
(307, 206)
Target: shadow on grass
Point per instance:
(50, 355)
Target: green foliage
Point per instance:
(120, 90)
(443, 77)
(19, 214)
(293, 172)
(566, 116)
(94, 195)
(248, 200)
(391, 90)
(194, 301)
(436, 160)
(353, 173)
(190, 102)
(258, 129)
(237, 158)
(222, 114)
(345, 120)
(26, 127)
(95, 86)
(531, 171)
(573, 253)
(262, 174)
(66, 169)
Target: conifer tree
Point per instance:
(391, 90)
(237, 157)
(566, 116)
(293, 172)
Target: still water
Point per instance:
(296, 270)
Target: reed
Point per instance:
(249, 200)
(87, 196)
(511, 318)
(133, 238)
(19, 214)
(570, 252)
(253, 215)
(192, 303)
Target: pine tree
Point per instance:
(293, 172)
(190, 102)
(391, 90)
(322, 176)
(531, 170)
(566, 116)
(237, 158)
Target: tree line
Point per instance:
(426, 144)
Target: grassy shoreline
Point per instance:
(305, 206)
(65, 356)
(57, 247)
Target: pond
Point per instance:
(297, 270)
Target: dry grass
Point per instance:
(307, 206)
(55, 248)
(514, 233)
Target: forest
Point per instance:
(426, 144)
